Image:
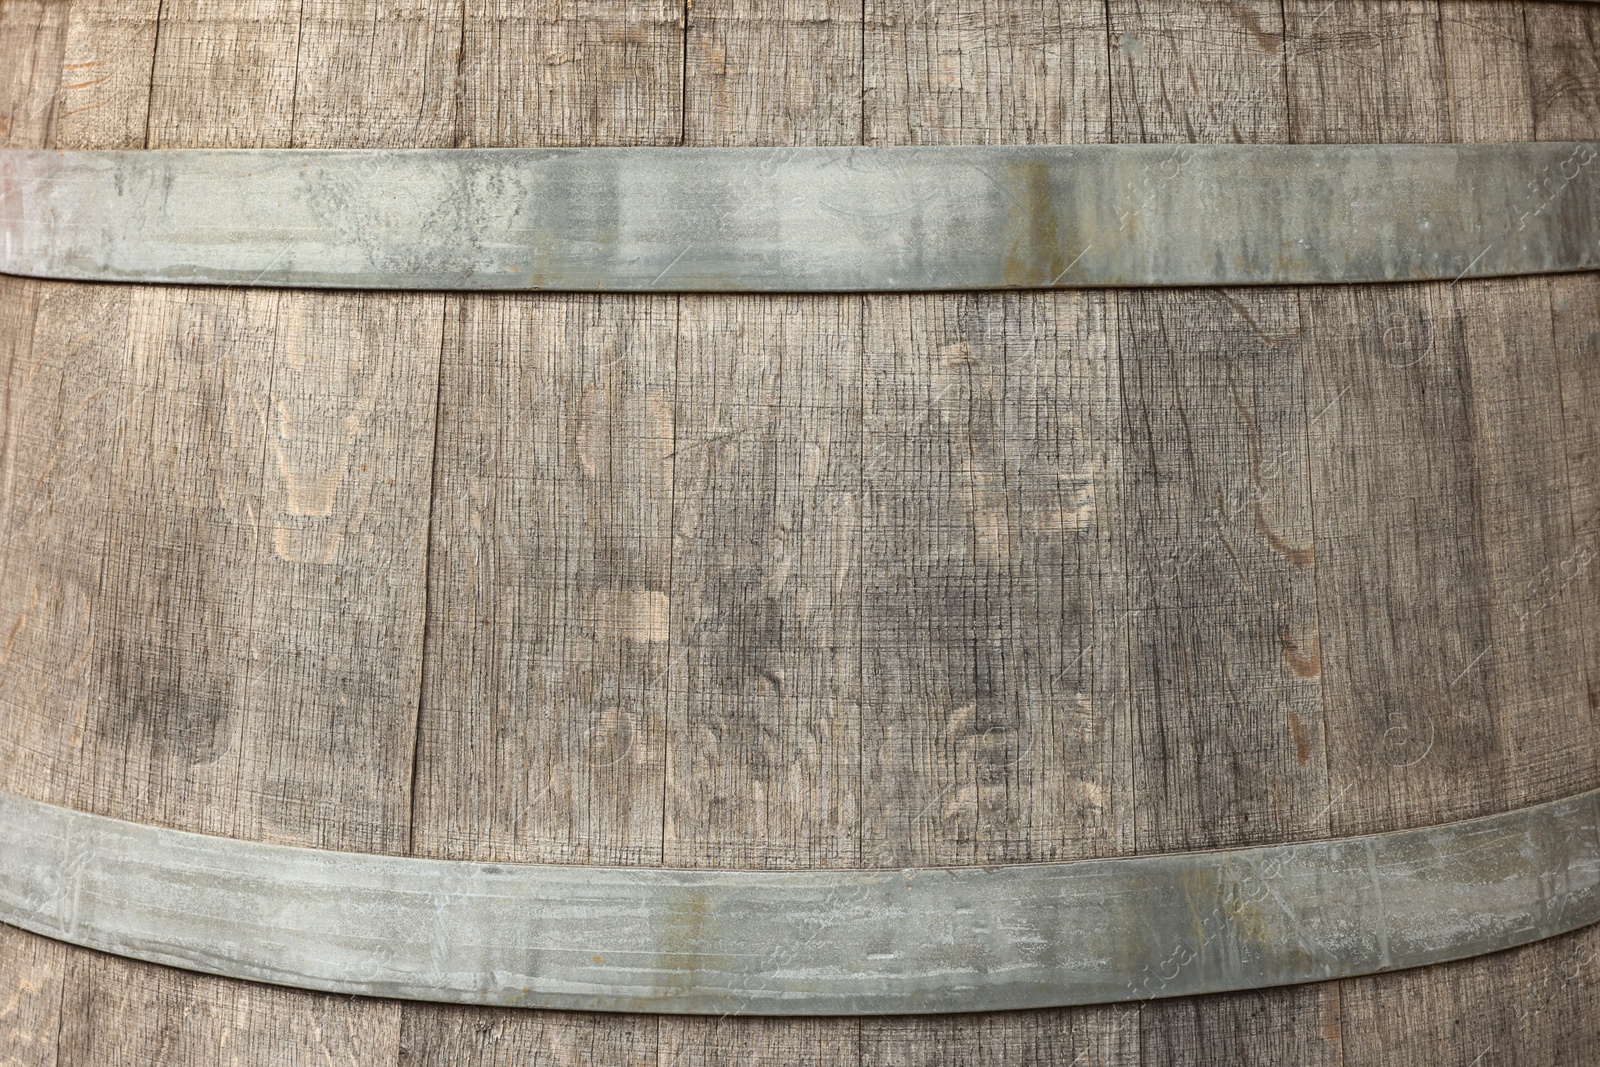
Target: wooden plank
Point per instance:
(1186, 72)
(250, 643)
(1224, 641)
(1537, 668)
(1412, 733)
(385, 73)
(120, 1011)
(710, 1042)
(1392, 476)
(1299, 1025)
(336, 603)
(1564, 69)
(442, 1036)
(31, 970)
(225, 74)
(105, 74)
(990, 464)
(1489, 83)
(969, 73)
(1069, 1037)
(166, 698)
(786, 72)
(1564, 594)
(1366, 71)
(581, 72)
(64, 408)
(547, 661)
(1225, 644)
(763, 740)
(541, 735)
(763, 743)
(992, 648)
(33, 35)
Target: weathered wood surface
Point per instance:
(800, 582)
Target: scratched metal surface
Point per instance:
(807, 219)
(801, 942)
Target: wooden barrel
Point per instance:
(792, 582)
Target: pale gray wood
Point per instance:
(1534, 548)
(1196, 73)
(225, 73)
(33, 35)
(1255, 1029)
(542, 721)
(1529, 1007)
(377, 74)
(786, 72)
(764, 737)
(763, 748)
(942, 72)
(117, 1010)
(166, 690)
(546, 683)
(546, 72)
(992, 641)
(1487, 66)
(443, 1036)
(1225, 645)
(104, 86)
(64, 407)
(31, 975)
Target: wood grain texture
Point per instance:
(1196, 73)
(763, 742)
(543, 710)
(62, 401)
(1564, 70)
(546, 72)
(225, 74)
(1529, 1007)
(104, 84)
(727, 581)
(1301, 1026)
(1225, 647)
(1488, 72)
(993, 656)
(942, 72)
(120, 1011)
(774, 73)
(547, 669)
(32, 973)
(1366, 72)
(32, 41)
(377, 74)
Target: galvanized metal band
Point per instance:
(820, 942)
(803, 219)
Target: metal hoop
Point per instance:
(804, 219)
(837, 942)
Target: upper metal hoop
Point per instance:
(803, 219)
(837, 942)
